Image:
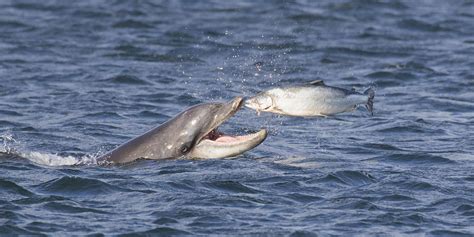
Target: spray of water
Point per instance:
(11, 146)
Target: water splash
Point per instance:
(8, 143)
(50, 159)
(12, 146)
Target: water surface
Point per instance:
(80, 78)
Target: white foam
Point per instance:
(8, 142)
(11, 146)
(50, 159)
(58, 160)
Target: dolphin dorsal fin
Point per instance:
(317, 83)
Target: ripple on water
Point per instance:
(347, 177)
(351, 203)
(8, 26)
(230, 186)
(310, 18)
(376, 53)
(450, 233)
(11, 229)
(14, 166)
(397, 198)
(418, 25)
(381, 146)
(71, 185)
(8, 207)
(159, 231)
(43, 227)
(5, 112)
(127, 79)
(415, 185)
(132, 24)
(466, 210)
(455, 205)
(67, 206)
(303, 198)
(414, 127)
(102, 115)
(9, 188)
(398, 76)
(424, 159)
(408, 218)
(37, 199)
(9, 124)
(451, 104)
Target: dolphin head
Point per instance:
(204, 141)
(192, 134)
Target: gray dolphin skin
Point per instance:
(312, 99)
(191, 134)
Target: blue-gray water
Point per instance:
(81, 77)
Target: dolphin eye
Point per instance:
(184, 149)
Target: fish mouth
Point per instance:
(217, 144)
(259, 106)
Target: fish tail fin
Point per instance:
(370, 101)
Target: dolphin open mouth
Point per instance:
(219, 137)
(216, 144)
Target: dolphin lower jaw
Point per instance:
(220, 146)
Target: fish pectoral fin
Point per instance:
(317, 83)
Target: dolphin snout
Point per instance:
(237, 102)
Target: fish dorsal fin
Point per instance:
(317, 83)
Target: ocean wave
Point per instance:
(127, 79)
(11, 188)
(231, 186)
(72, 185)
(348, 177)
(70, 207)
(413, 159)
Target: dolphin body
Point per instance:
(192, 134)
(312, 99)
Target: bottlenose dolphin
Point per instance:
(192, 134)
(312, 99)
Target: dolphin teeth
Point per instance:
(213, 135)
